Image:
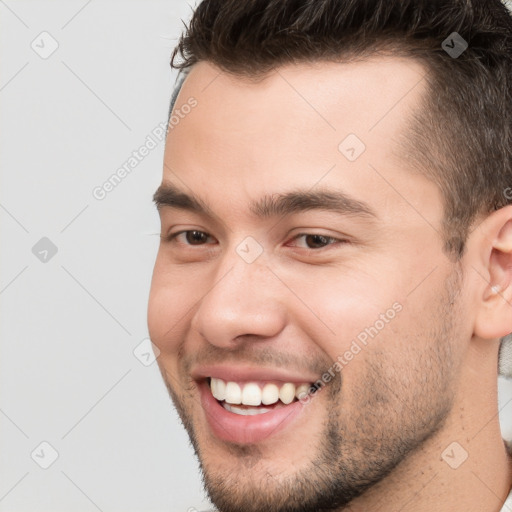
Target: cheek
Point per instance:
(169, 306)
(342, 308)
(158, 315)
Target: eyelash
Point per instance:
(173, 236)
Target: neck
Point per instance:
(436, 476)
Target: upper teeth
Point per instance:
(253, 394)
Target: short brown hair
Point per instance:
(460, 138)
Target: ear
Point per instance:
(494, 317)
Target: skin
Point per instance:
(373, 438)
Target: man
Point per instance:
(335, 268)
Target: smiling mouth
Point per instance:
(252, 398)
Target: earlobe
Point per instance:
(494, 319)
(495, 289)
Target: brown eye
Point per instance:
(195, 237)
(312, 241)
(190, 237)
(317, 241)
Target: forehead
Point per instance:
(337, 123)
(356, 94)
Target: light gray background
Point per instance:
(69, 325)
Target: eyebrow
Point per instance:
(268, 206)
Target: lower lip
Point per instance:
(240, 429)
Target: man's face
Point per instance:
(350, 288)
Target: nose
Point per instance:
(243, 299)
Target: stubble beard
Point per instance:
(357, 449)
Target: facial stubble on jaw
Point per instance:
(353, 452)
